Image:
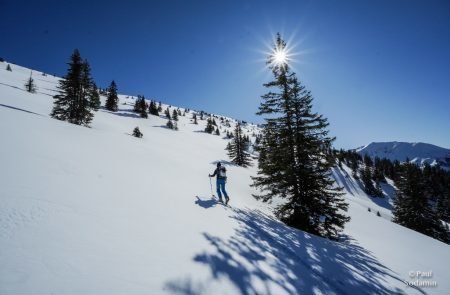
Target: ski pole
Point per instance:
(210, 184)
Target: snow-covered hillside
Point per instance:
(419, 153)
(97, 211)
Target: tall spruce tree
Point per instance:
(194, 116)
(30, 86)
(443, 204)
(293, 163)
(137, 104)
(153, 108)
(74, 101)
(112, 99)
(143, 108)
(209, 126)
(237, 150)
(366, 178)
(167, 113)
(175, 115)
(95, 97)
(412, 208)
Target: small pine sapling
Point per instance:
(137, 133)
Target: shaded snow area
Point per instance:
(418, 152)
(97, 211)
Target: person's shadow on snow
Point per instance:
(207, 203)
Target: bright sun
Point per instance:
(280, 57)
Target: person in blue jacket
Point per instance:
(221, 175)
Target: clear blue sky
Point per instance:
(379, 70)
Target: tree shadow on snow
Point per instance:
(380, 201)
(19, 109)
(355, 187)
(12, 86)
(346, 181)
(123, 113)
(266, 257)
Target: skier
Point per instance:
(221, 175)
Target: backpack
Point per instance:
(222, 172)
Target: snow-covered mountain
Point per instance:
(419, 153)
(97, 211)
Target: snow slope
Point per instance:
(418, 152)
(97, 211)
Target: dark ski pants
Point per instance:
(220, 184)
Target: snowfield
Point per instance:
(97, 211)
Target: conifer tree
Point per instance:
(237, 148)
(8, 68)
(159, 107)
(369, 188)
(143, 108)
(378, 174)
(140, 106)
(137, 133)
(74, 101)
(411, 206)
(88, 97)
(112, 98)
(354, 166)
(167, 113)
(95, 97)
(378, 189)
(292, 161)
(217, 131)
(153, 108)
(137, 104)
(257, 140)
(209, 126)
(169, 124)
(194, 116)
(30, 86)
(172, 125)
(175, 115)
(368, 161)
(150, 106)
(443, 204)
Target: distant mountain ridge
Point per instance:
(417, 152)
